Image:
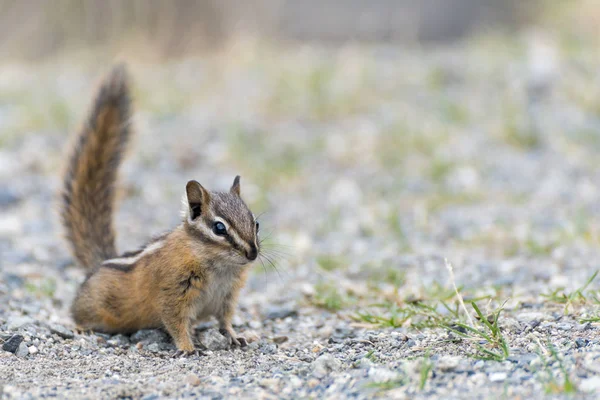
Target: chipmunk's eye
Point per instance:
(257, 226)
(219, 228)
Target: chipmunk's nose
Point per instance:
(252, 254)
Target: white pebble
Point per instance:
(498, 376)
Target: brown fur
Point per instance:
(89, 192)
(190, 273)
(161, 290)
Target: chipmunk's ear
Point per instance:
(235, 188)
(197, 198)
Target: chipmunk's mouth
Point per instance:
(240, 259)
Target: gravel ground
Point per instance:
(371, 166)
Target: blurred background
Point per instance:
(377, 137)
(34, 29)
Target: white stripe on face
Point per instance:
(208, 230)
(234, 235)
(151, 248)
(256, 232)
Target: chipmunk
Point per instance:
(190, 273)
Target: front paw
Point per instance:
(239, 341)
(234, 341)
(184, 353)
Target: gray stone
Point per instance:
(213, 340)
(29, 308)
(22, 350)
(583, 327)
(15, 323)
(13, 281)
(381, 375)
(119, 340)
(61, 331)
(12, 344)
(523, 359)
(280, 339)
(8, 197)
(324, 364)
(534, 323)
(147, 336)
(267, 348)
(153, 347)
(282, 312)
(448, 363)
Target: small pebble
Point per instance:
(255, 324)
(192, 379)
(280, 339)
(153, 347)
(312, 383)
(22, 351)
(381, 375)
(498, 376)
(269, 383)
(324, 364)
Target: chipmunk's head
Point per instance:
(223, 220)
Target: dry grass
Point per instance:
(163, 27)
(35, 29)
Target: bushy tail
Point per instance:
(88, 195)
